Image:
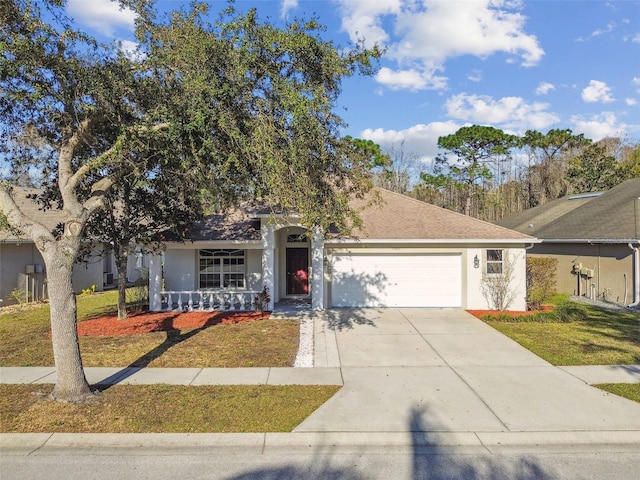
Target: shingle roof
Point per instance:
(49, 218)
(400, 217)
(397, 217)
(609, 216)
(234, 225)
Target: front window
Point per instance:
(494, 262)
(221, 268)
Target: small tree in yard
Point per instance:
(496, 287)
(248, 105)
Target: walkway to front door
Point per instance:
(297, 271)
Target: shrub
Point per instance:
(563, 313)
(541, 280)
(497, 288)
(19, 295)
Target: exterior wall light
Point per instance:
(476, 262)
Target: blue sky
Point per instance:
(514, 65)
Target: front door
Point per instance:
(297, 271)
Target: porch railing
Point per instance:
(210, 300)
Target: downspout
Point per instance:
(636, 276)
(636, 256)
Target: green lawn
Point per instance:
(163, 408)
(25, 341)
(590, 336)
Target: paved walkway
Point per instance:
(410, 376)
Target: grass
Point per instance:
(576, 334)
(163, 408)
(25, 341)
(626, 390)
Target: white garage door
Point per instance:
(396, 281)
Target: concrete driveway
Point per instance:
(421, 370)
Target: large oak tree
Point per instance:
(247, 106)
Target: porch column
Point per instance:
(155, 283)
(317, 270)
(268, 261)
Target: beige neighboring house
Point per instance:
(595, 238)
(406, 254)
(22, 267)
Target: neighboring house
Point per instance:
(22, 267)
(595, 238)
(406, 254)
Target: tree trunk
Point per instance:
(121, 266)
(71, 383)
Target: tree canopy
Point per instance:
(238, 107)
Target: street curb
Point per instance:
(23, 444)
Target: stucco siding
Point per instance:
(612, 266)
(254, 269)
(180, 269)
(14, 259)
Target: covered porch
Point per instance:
(231, 275)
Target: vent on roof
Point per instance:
(585, 195)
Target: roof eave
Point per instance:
(590, 240)
(434, 240)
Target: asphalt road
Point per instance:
(329, 464)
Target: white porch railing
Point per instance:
(210, 300)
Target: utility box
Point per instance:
(587, 272)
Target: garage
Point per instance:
(396, 280)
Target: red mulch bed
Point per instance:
(147, 322)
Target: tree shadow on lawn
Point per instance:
(173, 338)
(617, 326)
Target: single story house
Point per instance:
(407, 253)
(22, 268)
(595, 238)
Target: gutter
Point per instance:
(591, 241)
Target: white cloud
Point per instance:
(544, 88)
(599, 126)
(364, 18)
(475, 76)
(422, 36)
(105, 16)
(287, 6)
(597, 91)
(130, 50)
(420, 139)
(636, 82)
(631, 101)
(636, 38)
(508, 112)
(409, 79)
(601, 31)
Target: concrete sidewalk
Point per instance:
(182, 376)
(412, 377)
